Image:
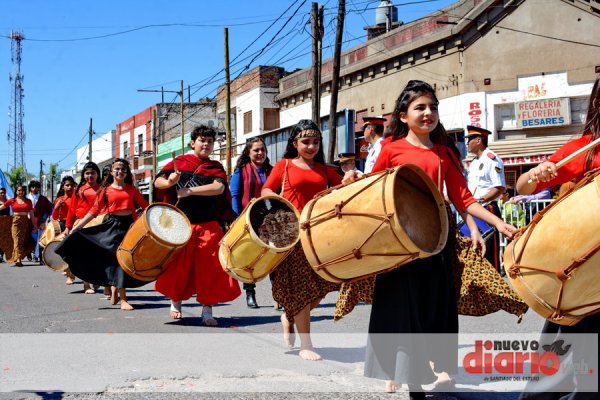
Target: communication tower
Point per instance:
(16, 131)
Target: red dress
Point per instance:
(195, 269)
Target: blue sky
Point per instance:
(71, 76)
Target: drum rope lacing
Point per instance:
(337, 212)
(563, 275)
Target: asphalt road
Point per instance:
(56, 342)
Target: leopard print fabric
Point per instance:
(6, 240)
(353, 293)
(480, 289)
(295, 284)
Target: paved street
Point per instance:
(57, 342)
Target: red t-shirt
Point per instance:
(25, 207)
(400, 152)
(119, 199)
(573, 169)
(60, 213)
(301, 185)
(82, 204)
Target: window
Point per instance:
(578, 109)
(505, 116)
(271, 118)
(248, 122)
(140, 144)
(125, 149)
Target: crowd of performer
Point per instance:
(417, 298)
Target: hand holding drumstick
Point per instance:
(174, 176)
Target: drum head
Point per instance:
(168, 224)
(275, 223)
(53, 260)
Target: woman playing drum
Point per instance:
(90, 252)
(418, 297)
(82, 200)
(22, 225)
(200, 184)
(299, 176)
(547, 175)
(62, 203)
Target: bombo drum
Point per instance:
(50, 233)
(53, 260)
(262, 236)
(374, 225)
(554, 262)
(152, 240)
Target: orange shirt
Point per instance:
(60, 213)
(16, 207)
(80, 205)
(301, 185)
(118, 199)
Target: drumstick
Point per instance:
(570, 157)
(174, 155)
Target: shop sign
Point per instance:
(521, 160)
(543, 113)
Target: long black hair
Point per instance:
(302, 125)
(244, 158)
(592, 122)
(109, 179)
(61, 189)
(398, 129)
(88, 165)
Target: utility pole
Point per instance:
(227, 106)
(154, 151)
(182, 117)
(335, 80)
(90, 133)
(315, 92)
(41, 170)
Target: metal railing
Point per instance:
(517, 214)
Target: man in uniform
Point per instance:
(347, 162)
(486, 181)
(373, 127)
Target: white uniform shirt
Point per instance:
(485, 173)
(374, 150)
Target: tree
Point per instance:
(52, 174)
(16, 176)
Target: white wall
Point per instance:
(291, 116)
(101, 150)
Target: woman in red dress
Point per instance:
(22, 225)
(199, 187)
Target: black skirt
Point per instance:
(91, 253)
(547, 387)
(414, 299)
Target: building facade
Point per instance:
(521, 69)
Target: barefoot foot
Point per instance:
(309, 354)
(392, 386)
(289, 336)
(125, 306)
(175, 311)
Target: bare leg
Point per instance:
(114, 298)
(124, 304)
(302, 320)
(70, 278)
(87, 289)
(289, 336)
(175, 311)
